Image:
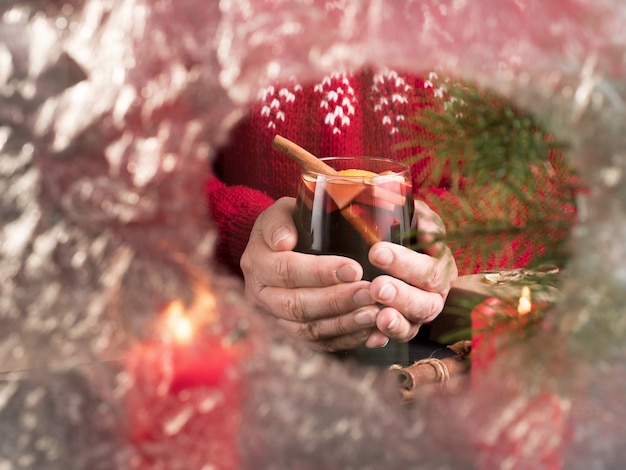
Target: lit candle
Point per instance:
(178, 325)
(183, 405)
(529, 432)
(496, 321)
(524, 304)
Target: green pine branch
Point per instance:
(507, 174)
(482, 136)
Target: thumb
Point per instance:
(279, 230)
(431, 231)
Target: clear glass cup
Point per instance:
(369, 200)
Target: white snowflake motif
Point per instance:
(273, 103)
(440, 90)
(390, 92)
(338, 99)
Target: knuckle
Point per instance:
(254, 293)
(431, 308)
(437, 276)
(334, 305)
(335, 344)
(432, 283)
(340, 328)
(434, 310)
(312, 331)
(319, 277)
(423, 310)
(245, 263)
(294, 307)
(415, 328)
(415, 310)
(347, 342)
(284, 268)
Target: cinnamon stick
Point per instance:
(430, 371)
(304, 158)
(310, 162)
(369, 233)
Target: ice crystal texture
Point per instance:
(109, 114)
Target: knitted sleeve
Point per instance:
(233, 209)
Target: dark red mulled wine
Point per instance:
(369, 200)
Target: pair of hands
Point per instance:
(323, 300)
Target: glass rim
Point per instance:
(399, 167)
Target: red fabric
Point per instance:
(342, 115)
(171, 379)
(535, 433)
(234, 209)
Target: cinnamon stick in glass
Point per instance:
(310, 162)
(302, 157)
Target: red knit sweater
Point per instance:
(361, 114)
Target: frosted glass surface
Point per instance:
(110, 111)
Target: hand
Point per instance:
(320, 299)
(418, 284)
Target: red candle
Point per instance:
(529, 430)
(183, 404)
(496, 321)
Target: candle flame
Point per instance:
(524, 304)
(178, 325)
(181, 323)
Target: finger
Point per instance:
(431, 231)
(416, 269)
(377, 339)
(334, 344)
(277, 226)
(292, 269)
(326, 329)
(306, 304)
(395, 326)
(429, 219)
(417, 306)
(342, 343)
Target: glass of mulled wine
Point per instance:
(368, 200)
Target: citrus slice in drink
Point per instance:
(356, 172)
(343, 190)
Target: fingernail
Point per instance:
(383, 257)
(387, 293)
(362, 297)
(347, 273)
(280, 234)
(366, 317)
(392, 325)
(372, 343)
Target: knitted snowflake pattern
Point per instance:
(275, 101)
(337, 100)
(390, 93)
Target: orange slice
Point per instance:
(343, 191)
(355, 172)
